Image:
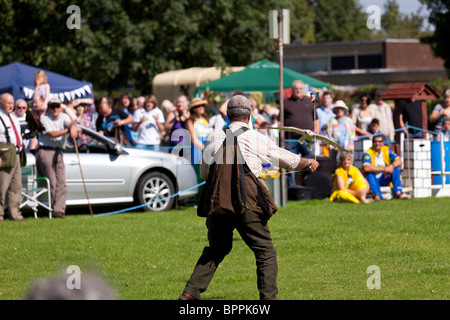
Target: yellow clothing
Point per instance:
(353, 180)
(373, 154)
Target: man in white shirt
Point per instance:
(10, 178)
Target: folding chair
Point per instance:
(32, 189)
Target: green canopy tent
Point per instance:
(261, 76)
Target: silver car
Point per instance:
(114, 174)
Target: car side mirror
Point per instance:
(118, 148)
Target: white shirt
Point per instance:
(379, 162)
(12, 135)
(51, 124)
(256, 148)
(148, 130)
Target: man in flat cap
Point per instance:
(240, 201)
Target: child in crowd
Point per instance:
(445, 129)
(41, 91)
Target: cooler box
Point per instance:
(272, 179)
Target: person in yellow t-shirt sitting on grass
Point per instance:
(349, 183)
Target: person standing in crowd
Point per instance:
(178, 120)
(382, 167)
(362, 115)
(166, 107)
(411, 114)
(49, 155)
(110, 122)
(256, 149)
(198, 127)
(299, 112)
(39, 107)
(341, 129)
(257, 117)
(150, 124)
(21, 115)
(41, 89)
(440, 112)
(325, 112)
(10, 177)
(384, 115)
(124, 102)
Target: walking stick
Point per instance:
(82, 176)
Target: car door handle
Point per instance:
(73, 163)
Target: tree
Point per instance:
(339, 20)
(401, 26)
(439, 17)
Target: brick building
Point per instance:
(366, 62)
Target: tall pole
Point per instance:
(283, 187)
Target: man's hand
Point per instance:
(74, 131)
(388, 170)
(314, 165)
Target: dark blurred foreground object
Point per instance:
(92, 287)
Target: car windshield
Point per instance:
(87, 143)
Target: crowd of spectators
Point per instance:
(144, 122)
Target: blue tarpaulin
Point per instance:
(18, 79)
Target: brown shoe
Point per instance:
(186, 296)
(376, 198)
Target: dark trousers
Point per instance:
(255, 233)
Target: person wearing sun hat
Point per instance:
(198, 127)
(341, 128)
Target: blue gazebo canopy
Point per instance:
(18, 79)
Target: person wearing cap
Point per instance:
(341, 128)
(11, 177)
(256, 149)
(49, 155)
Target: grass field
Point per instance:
(324, 250)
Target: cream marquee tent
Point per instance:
(171, 84)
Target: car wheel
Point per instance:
(154, 188)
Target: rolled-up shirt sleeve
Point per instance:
(281, 157)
